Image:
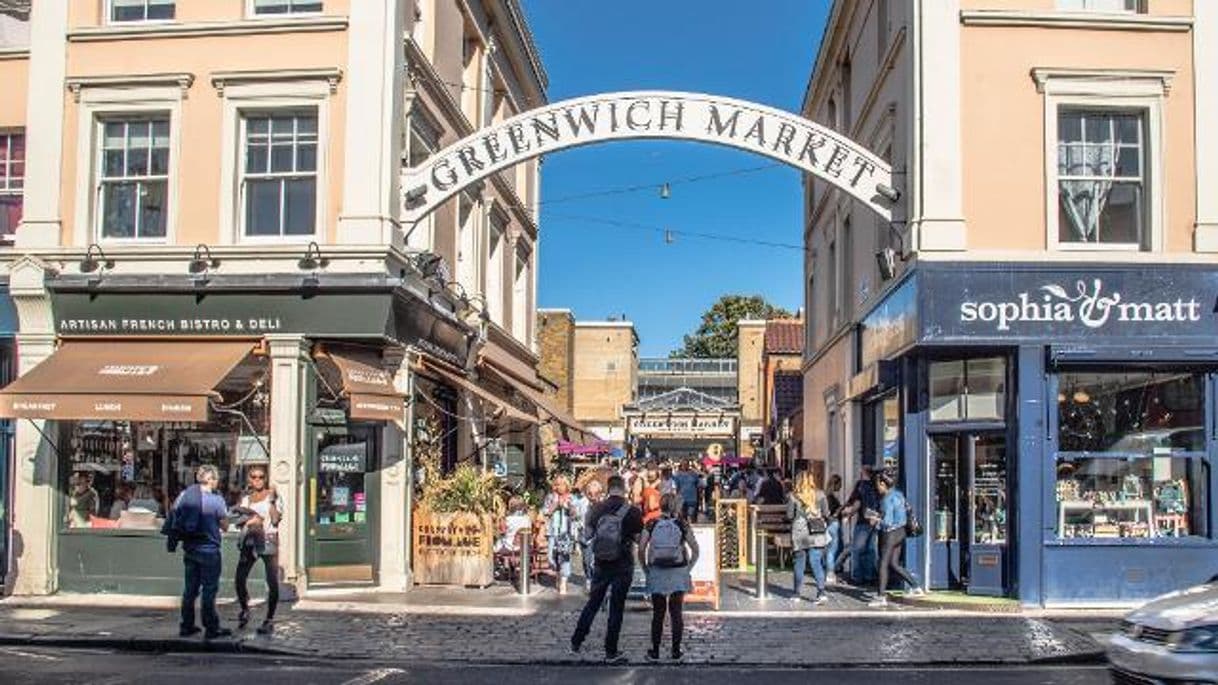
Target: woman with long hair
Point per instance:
(559, 511)
(259, 540)
(808, 510)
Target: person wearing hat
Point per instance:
(893, 510)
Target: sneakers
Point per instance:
(821, 598)
(189, 632)
(266, 628)
(218, 633)
(243, 618)
(616, 658)
(677, 654)
(795, 598)
(831, 579)
(653, 655)
(879, 602)
(917, 592)
(573, 648)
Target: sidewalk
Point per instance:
(432, 626)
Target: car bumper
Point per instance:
(1134, 661)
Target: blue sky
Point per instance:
(758, 51)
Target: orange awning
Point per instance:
(366, 384)
(136, 380)
(460, 381)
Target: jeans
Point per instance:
(690, 511)
(672, 605)
(835, 543)
(587, 560)
(560, 562)
(892, 542)
(270, 563)
(812, 558)
(615, 582)
(202, 575)
(863, 552)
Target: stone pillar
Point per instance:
(938, 202)
(394, 567)
(35, 463)
(1205, 70)
(41, 224)
(372, 163)
(291, 390)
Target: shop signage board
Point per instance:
(452, 549)
(349, 458)
(681, 425)
(786, 137)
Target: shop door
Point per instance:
(343, 499)
(969, 522)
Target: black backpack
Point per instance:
(607, 539)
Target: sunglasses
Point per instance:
(257, 476)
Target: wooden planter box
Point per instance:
(453, 549)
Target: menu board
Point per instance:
(705, 572)
(343, 458)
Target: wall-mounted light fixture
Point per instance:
(200, 265)
(92, 262)
(313, 258)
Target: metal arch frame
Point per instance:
(632, 115)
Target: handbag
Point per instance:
(913, 527)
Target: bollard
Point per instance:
(526, 560)
(759, 558)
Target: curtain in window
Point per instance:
(1083, 200)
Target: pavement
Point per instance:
(497, 626)
(58, 666)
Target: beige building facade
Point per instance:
(1051, 154)
(209, 172)
(605, 375)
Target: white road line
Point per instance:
(374, 676)
(29, 655)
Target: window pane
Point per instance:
(127, 10)
(118, 210)
(1129, 162)
(1069, 127)
(1134, 498)
(154, 206)
(281, 158)
(946, 391)
(114, 135)
(112, 163)
(300, 206)
(1134, 413)
(10, 212)
(986, 388)
(262, 207)
(160, 9)
(271, 6)
(1121, 220)
(257, 126)
(139, 140)
(990, 490)
(1129, 129)
(256, 159)
(306, 157)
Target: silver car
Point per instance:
(1170, 639)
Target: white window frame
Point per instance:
(421, 127)
(243, 175)
(496, 249)
(98, 104)
(6, 185)
(251, 13)
(1139, 7)
(240, 98)
(522, 252)
(99, 181)
(111, 21)
(467, 257)
(1143, 91)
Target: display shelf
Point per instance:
(1140, 524)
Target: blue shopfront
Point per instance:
(1055, 425)
(8, 358)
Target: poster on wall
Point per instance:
(705, 572)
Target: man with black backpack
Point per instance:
(612, 528)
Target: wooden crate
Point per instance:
(453, 549)
(731, 531)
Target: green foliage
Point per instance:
(716, 336)
(467, 489)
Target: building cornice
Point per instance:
(1102, 21)
(222, 79)
(530, 46)
(1161, 78)
(182, 80)
(143, 31)
(14, 53)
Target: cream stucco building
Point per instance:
(215, 185)
(1029, 344)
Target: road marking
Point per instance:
(29, 655)
(374, 676)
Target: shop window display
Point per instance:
(1131, 461)
(968, 390)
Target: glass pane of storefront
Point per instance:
(946, 391)
(990, 490)
(986, 382)
(1131, 461)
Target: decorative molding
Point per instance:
(222, 79)
(1043, 76)
(14, 53)
(140, 31)
(1102, 21)
(183, 81)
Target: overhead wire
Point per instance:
(662, 230)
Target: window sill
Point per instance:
(142, 30)
(1190, 541)
(1099, 247)
(1109, 21)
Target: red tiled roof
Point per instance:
(784, 336)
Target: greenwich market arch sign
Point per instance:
(747, 126)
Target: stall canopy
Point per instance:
(366, 384)
(545, 404)
(127, 380)
(449, 375)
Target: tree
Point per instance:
(716, 336)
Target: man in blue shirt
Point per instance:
(199, 516)
(688, 482)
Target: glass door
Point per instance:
(969, 519)
(342, 504)
(946, 461)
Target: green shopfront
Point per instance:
(308, 380)
(1054, 424)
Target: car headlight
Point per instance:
(1200, 639)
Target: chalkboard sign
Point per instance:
(351, 458)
